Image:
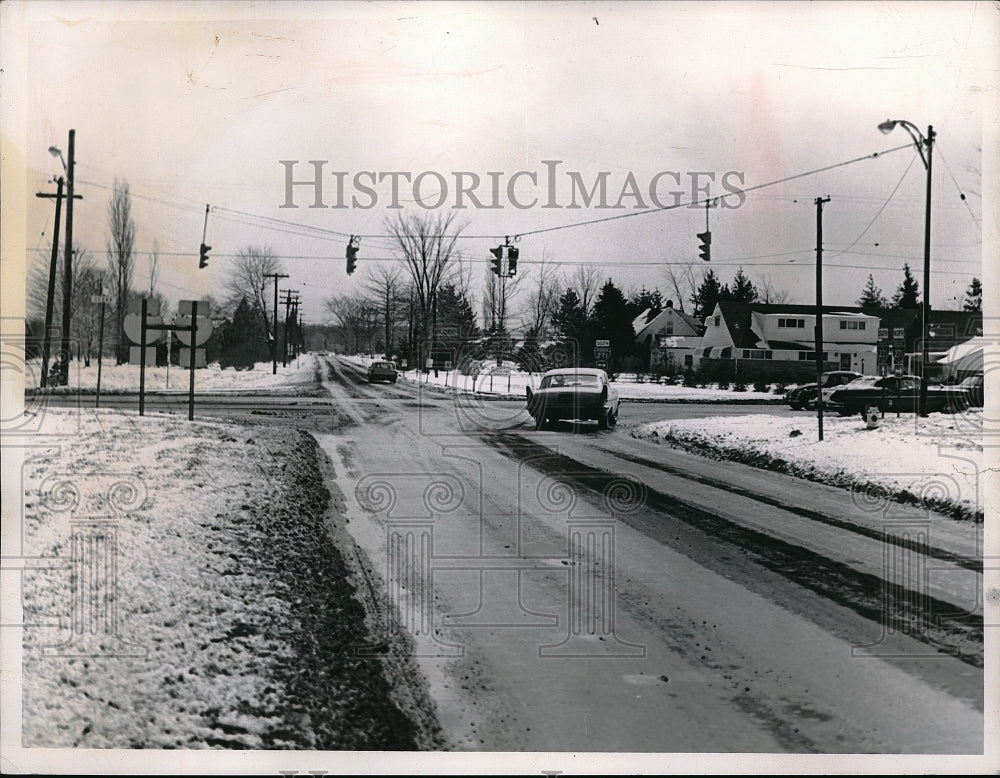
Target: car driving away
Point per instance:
(804, 395)
(582, 393)
(382, 371)
(897, 393)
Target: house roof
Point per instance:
(737, 319)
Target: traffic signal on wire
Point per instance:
(497, 260)
(512, 254)
(203, 256)
(352, 253)
(705, 249)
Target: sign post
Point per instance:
(103, 299)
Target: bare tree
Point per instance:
(768, 293)
(682, 280)
(384, 286)
(586, 282)
(497, 295)
(248, 279)
(427, 245)
(541, 300)
(356, 318)
(121, 260)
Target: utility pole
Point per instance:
(819, 311)
(63, 371)
(284, 341)
(53, 270)
(274, 334)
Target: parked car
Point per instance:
(804, 396)
(382, 371)
(900, 393)
(583, 393)
(973, 386)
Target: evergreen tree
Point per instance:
(240, 344)
(454, 313)
(613, 320)
(973, 296)
(572, 325)
(907, 296)
(644, 299)
(706, 296)
(742, 290)
(872, 297)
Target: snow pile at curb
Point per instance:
(234, 620)
(299, 376)
(935, 461)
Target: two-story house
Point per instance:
(777, 342)
(670, 337)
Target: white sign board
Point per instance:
(201, 334)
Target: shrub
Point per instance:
(760, 385)
(739, 385)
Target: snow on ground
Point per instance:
(230, 620)
(939, 457)
(298, 375)
(514, 384)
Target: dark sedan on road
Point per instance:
(382, 371)
(583, 393)
(804, 396)
(893, 393)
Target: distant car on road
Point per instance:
(583, 393)
(804, 396)
(900, 393)
(382, 371)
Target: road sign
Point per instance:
(883, 333)
(897, 355)
(602, 364)
(500, 370)
(883, 353)
(897, 333)
(133, 329)
(184, 308)
(98, 299)
(602, 343)
(203, 333)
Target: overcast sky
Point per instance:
(198, 104)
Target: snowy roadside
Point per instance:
(937, 461)
(514, 383)
(300, 376)
(233, 623)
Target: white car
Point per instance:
(583, 393)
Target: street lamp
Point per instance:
(55, 152)
(921, 143)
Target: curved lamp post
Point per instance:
(922, 143)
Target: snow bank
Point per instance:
(937, 460)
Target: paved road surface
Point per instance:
(580, 590)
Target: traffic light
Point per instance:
(203, 259)
(497, 259)
(705, 249)
(352, 253)
(512, 254)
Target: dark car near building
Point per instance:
(382, 371)
(897, 393)
(804, 396)
(973, 386)
(582, 393)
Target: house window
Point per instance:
(688, 360)
(810, 356)
(792, 323)
(718, 320)
(669, 329)
(756, 353)
(852, 325)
